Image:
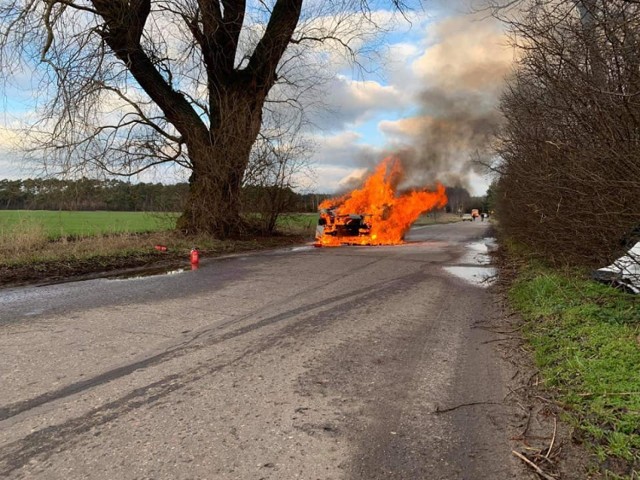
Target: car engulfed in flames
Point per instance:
(375, 214)
(349, 229)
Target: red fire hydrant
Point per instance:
(194, 257)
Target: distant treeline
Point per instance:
(87, 194)
(460, 201)
(116, 195)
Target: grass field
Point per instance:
(45, 240)
(58, 224)
(32, 236)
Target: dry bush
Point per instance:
(21, 239)
(570, 177)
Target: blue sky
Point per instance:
(442, 57)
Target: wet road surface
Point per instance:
(347, 363)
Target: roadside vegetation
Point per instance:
(566, 199)
(569, 184)
(39, 246)
(585, 338)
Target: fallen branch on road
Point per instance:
(444, 410)
(537, 469)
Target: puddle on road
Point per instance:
(479, 276)
(477, 253)
(473, 265)
(152, 272)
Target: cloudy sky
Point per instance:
(433, 100)
(428, 91)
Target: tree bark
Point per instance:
(219, 161)
(236, 98)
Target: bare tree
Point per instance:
(126, 85)
(279, 164)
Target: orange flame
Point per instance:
(375, 214)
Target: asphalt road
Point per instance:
(330, 363)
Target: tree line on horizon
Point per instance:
(117, 195)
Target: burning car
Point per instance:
(345, 229)
(376, 213)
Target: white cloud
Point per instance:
(11, 166)
(8, 138)
(10, 169)
(339, 149)
(330, 177)
(347, 103)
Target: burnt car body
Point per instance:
(349, 228)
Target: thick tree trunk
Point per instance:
(219, 162)
(219, 155)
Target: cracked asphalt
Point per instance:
(345, 363)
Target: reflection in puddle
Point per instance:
(302, 249)
(477, 254)
(480, 276)
(154, 272)
(473, 265)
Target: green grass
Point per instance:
(586, 340)
(32, 237)
(298, 223)
(58, 224)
